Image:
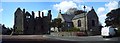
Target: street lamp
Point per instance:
(85, 21)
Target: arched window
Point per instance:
(79, 23)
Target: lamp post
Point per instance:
(85, 21)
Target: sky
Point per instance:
(7, 8)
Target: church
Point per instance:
(85, 21)
(27, 23)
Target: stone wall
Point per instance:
(75, 23)
(63, 33)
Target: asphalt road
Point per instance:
(56, 39)
(82, 38)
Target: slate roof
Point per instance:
(79, 16)
(68, 18)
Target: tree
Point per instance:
(71, 11)
(6, 31)
(74, 11)
(56, 23)
(113, 18)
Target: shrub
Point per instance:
(118, 31)
(73, 29)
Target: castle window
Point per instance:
(27, 16)
(27, 20)
(93, 22)
(79, 23)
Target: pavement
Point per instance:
(25, 38)
(56, 39)
(82, 38)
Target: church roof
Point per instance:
(70, 17)
(67, 18)
(79, 16)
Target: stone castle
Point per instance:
(26, 23)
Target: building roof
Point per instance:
(79, 16)
(70, 17)
(18, 9)
(67, 18)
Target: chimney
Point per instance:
(49, 14)
(39, 13)
(33, 14)
(49, 11)
(24, 11)
(42, 14)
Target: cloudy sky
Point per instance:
(7, 8)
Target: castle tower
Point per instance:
(19, 21)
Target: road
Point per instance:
(56, 39)
(82, 38)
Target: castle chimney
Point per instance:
(42, 14)
(24, 11)
(39, 13)
(33, 14)
(49, 14)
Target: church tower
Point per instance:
(59, 14)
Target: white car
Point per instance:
(107, 32)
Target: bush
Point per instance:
(118, 31)
(73, 29)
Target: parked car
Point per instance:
(107, 32)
